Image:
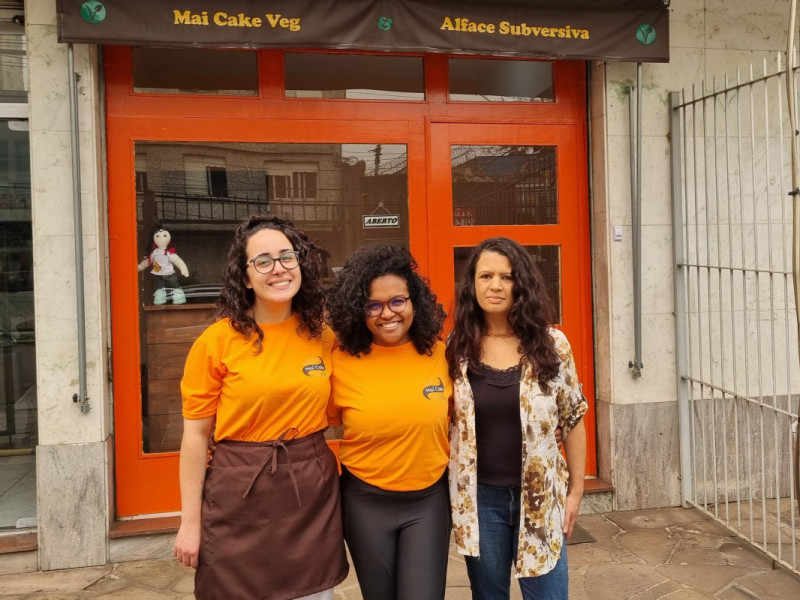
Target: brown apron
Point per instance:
(272, 528)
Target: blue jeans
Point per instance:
(490, 573)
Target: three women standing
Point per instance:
(391, 393)
(269, 497)
(514, 497)
(262, 518)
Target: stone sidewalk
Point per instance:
(674, 554)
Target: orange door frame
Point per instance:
(148, 483)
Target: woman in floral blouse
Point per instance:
(514, 498)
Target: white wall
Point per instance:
(73, 454)
(637, 418)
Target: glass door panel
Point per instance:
(528, 183)
(342, 195)
(18, 417)
(504, 185)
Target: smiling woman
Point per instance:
(256, 404)
(390, 393)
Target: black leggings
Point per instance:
(399, 541)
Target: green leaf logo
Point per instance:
(384, 23)
(93, 12)
(646, 34)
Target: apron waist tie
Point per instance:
(276, 445)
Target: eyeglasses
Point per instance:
(264, 263)
(396, 305)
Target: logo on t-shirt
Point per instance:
(434, 390)
(314, 367)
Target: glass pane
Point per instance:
(195, 71)
(18, 417)
(492, 80)
(504, 185)
(342, 195)
(547, 258)
(354, 76)
(13, 68)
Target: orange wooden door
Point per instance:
(486, 179)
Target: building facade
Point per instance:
(435, 150)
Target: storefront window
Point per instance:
(18, 405)
(547, 258)
(342, 195)
(497, 80)
(195, 71)
(353, 76)
(504, 185)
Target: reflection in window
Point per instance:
(205, 176)
(200, 192)
(546, 258)
(13, 68)
(504, 185)
(195, 71)
(292, 181)
(353, 76)
(497, 80)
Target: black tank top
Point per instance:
(497, 424)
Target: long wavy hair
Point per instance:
(530, 316)
(236, 300)
(349, 296)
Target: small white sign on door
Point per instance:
(375, 221)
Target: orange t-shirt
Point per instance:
(393, 405)
(257, 397)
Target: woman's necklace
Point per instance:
(499, 335)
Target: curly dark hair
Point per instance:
(236, 300)
(349, 296)
(530, 315)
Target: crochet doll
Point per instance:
(163, 259)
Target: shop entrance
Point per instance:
(421, 166)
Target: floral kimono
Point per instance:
(544, 470)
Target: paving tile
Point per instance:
(708, 526)
(734, 593)
(107, 584)
(586, 554)
(777, 584)
(49, 597)
(136, 593)
(184, 584)
(614, 581)
(653, 546)
(653, 519)
(692, 536)
(740, 553)
(685, 594)
(707, 578)
(600, 526)
(66, 581)
(659, 591)
(151, 573)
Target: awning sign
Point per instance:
(377, 221)
(577, 30)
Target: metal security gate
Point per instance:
(739, 379)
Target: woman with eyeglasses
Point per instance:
(391, 394)
(261, 518)
(514, 497)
